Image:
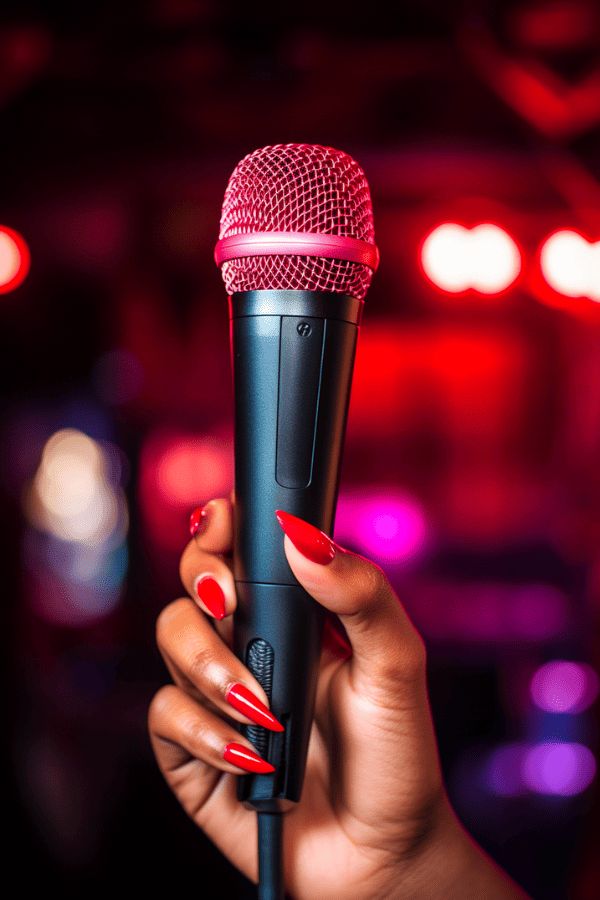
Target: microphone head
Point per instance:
(297, 217)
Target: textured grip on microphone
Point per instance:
(259, 660)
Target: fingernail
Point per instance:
(198, 520)
(246, 759)
(311, 542)
(211, 594)
(242, 699)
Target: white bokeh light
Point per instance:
(571, 265)
(484, 258)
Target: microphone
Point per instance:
(297, 254)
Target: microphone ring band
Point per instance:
(297, 243)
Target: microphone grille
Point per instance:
(297, 188)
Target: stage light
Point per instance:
(484, 258)
(571, 265)
(177, 472)
(71, 496)
(564, 687)
(562, 769)
(192, 468)
(495, 259)
(445, 257)
(76, 558)
(14, 259)
(391, 526)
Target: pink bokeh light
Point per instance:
(390, 526)
(560, 686)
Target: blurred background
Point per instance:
(471, 471)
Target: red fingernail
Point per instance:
(209, 591)
(198, 519)
(247, 703)
(246, 759)
(311, 542)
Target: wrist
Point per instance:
(450, 865)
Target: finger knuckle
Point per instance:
(368, 589)
(165, 619)
(195, 730)
(200, 665)
(375, 584)
(161, 706)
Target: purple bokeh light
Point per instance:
(562, 769)
(502, 773)
(560, 686)
(388, 525)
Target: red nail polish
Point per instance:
(209, 591)
(311, 542)
(247, 759)
(198, 520)
(247, 703)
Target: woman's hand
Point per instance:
(374, 821)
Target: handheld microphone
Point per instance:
(297, 254)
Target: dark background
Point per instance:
(474, 430)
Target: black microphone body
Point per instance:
(292, 358)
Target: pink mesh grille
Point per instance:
(302, 188)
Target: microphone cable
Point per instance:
(270, 856)
(260, 661)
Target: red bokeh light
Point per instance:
(14, 259)
(177, 472)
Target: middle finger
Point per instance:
(191, 646)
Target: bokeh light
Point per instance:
(71, 497)
(502, 772)
(76, 555)
(14, 259)
(484, 258)
(386, 524)
(563, 769)
(560, 686)
(557, 768)
(192, 468)
(571, 264)
(177, 472)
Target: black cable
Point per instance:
(270, 856)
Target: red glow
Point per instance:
(179, 471)
(14, 259)
(484, 258)
(190, 469)
(571, 264)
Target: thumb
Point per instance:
(388, 654)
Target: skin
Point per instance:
(374, 821)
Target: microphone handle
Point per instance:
(292, 358)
